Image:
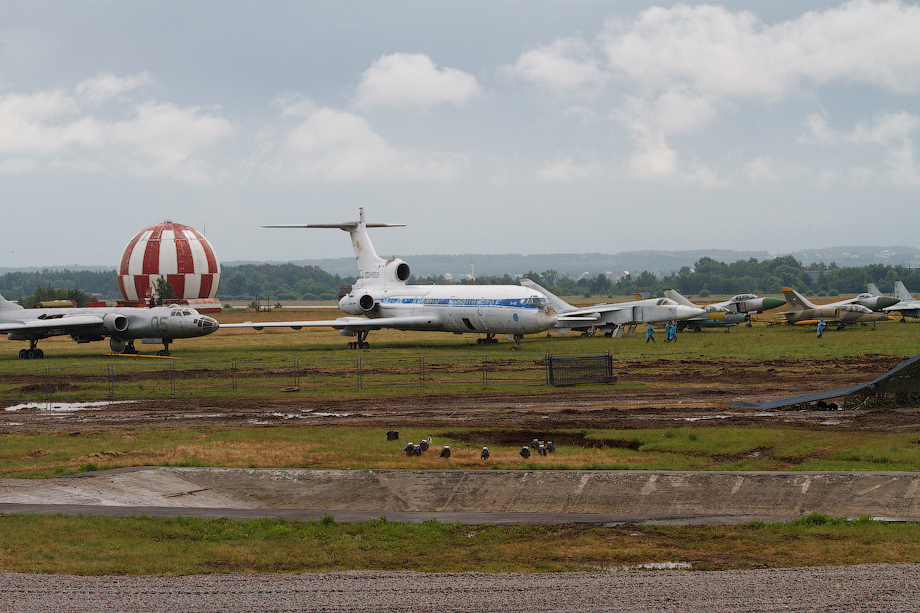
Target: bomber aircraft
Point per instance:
(908, 306)
(382, 296)
(122, 325)
(802, 312)
(610, 318)
(713, 315)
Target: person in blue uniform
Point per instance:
(821, 326)
(650, 334)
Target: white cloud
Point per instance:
(413, 80)
(56, 128)
(721, 54)
(107, 85)
(891, 131)
(334, 145)
(566, 169)
(564, 66)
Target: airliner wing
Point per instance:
(65, 324)
(413, 322)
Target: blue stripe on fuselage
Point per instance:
(504, 302)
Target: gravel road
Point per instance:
(853, 589)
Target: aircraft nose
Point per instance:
(207, 324)
(686, 312)
(886, 301)
(772, 303)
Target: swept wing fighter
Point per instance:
(908, 305)
(872, 299)
(384, 299)
(749, 304)
(803, 312)
(610, 318)
(712, 316)
(121, 325)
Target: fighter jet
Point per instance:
(610, 318)
(907, 306)
(802, 312)
(749, 304)
(382, 296)
(713, 315)
(872, 299)
(122, 325)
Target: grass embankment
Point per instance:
(56, 453)
(146, 546)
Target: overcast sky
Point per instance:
(486, 127)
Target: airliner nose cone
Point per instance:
(772, 303)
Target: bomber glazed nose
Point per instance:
(207, 324)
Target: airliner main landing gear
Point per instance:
(165, 350)
(488, 340)
(360, 343)
(32, 353)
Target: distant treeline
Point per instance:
(710, 277)
(285, 282)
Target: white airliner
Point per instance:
(382, 296)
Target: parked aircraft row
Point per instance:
(121, 325)
(381, 298)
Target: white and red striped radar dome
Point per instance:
(177, 252)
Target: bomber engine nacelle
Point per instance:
(396, 270)
(357, 304)
(113, 323)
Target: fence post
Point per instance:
(111, 374)
(485, 371)
(48, 385)
(421, 371)
(233, 374)
(296, 373)
(172, 379)
(358, 371)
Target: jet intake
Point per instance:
(357, 306)
(396, 270)
(113, 322)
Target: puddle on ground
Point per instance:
(66, 407)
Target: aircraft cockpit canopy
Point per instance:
(534, 301)
(744, 297)
(664, 302)
(182, 312)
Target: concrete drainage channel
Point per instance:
(471, 496)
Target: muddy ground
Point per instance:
(647, 394)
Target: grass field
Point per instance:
(88, 545)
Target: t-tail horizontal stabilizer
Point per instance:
(372, 269)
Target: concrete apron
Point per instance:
(623, 493)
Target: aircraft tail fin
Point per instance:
(370, 265)
(558, 303)
(797, 302)
(872, 288)
(901, 293)
(674, 295)
(6, 305)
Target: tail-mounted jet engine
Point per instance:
(396, 270)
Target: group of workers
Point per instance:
(670, 332)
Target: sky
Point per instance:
(534, 126)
